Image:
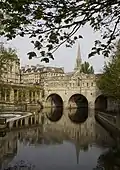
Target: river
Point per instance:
(68, 139)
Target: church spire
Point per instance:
(77, 146)
(78, 59)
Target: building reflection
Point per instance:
(8, 148)
(82, 135)
(54, 114)
(78, 115)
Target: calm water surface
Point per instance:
(62, 140)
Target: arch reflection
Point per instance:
(101, 103)
(54, 100)
(54, 114)
(78, 115)
(78, 101)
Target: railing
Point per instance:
(109, 117)
(109, 126)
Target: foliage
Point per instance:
(109, 81)
(57, 21)
(86, 68)
(109, 160)
(7, 56)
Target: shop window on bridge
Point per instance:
(78, 82)
(87, 84)
(92, 84)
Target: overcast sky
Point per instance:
(64, 57)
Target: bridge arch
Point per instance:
(78, 115)
(54, 100)
(101, 103)
(54, 114)
(77, 101)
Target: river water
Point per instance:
(59, 141)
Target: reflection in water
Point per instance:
(109, 160)
(2, 133)
(78, 115)
(56, 145)
(54, 114)
(8, 148)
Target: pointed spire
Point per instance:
(77, 152)
(78, 52)
(77, 146)
(78, 59)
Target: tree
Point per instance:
(7, 56)
(56, 22)
(109, 160)
(109, 81)
(86, 68)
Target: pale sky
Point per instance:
(64, 57)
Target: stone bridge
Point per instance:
(73, 89)
(69, 97)
(74, 94)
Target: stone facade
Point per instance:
(37, 83)
(12, 72)
(18, 95)
(71, 84)
(12, 90)
(38, 74)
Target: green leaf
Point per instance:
(46, 60)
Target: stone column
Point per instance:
(27, 96)
(34, 96)
(38, 95)
(23, 95)
(12, 95)
(91, 104)
(5, 95)
(17, 95)
(0, 95)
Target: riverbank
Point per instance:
(109, 123)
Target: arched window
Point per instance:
(78, 82)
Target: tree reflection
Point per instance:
(109, 160)
(21, 165)
(78, 115)
(55, 114)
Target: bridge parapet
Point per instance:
(90, 93)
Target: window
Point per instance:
(78, 83)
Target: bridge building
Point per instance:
(73, 89)
(51, 86)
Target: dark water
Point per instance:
(69, 139)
